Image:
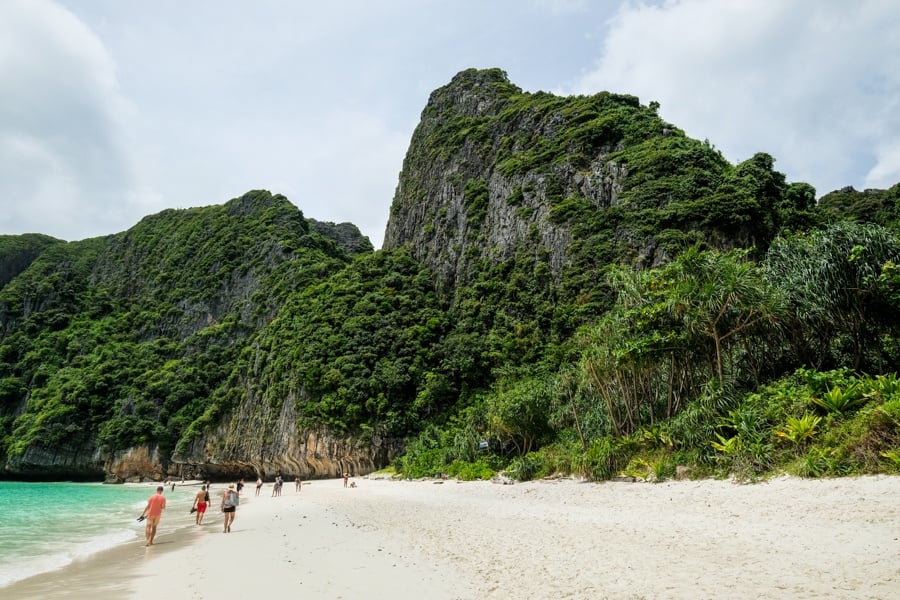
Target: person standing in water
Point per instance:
(201, 501)
(152, 512)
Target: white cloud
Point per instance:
(118, 110)
(351, 171)
(64, 165)
(886, 171)
(811, 82)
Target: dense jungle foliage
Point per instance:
(128, 339)
(762, 338)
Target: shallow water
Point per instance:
(46, 526)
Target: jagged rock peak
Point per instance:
(345, 235)
(255, 201)
(472, 92)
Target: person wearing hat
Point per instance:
(230, 501)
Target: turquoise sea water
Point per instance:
(46, 526)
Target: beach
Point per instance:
(783, 538)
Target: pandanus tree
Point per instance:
(723, 299)
(674, 329)
(838, 285)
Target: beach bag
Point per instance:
(235, 499)
(206, 498)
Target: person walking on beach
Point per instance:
(346, 478)
(258, 485)
(152, 512)
(230, 501)
(297, 484)
(201, 501)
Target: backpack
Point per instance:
(230, 500)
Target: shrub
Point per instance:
(524, 468)
(840, 400)
(812, 464)
(893, 457)
(604, 459)
(799, 430)
(470, 471)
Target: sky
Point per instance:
(111, 111)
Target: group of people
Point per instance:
(157, 503)
(228, 504)
(276, 487)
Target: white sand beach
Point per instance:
(785, 538)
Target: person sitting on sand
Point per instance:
(153, 511)
(200, 503)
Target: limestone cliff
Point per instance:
(461, 195)
(246, 340)
(257, 438)
(574, 181)
(112, 348)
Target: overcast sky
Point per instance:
(113, 110)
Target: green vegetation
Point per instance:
(704, 317)
(129, 339)
(705, 362)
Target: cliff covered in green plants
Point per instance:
(567, 285)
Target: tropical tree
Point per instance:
(723, 298)
(517, 411)
(838, 285)
(674, 329)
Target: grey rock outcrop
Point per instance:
(258, 439)
(457, 202)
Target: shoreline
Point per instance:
(101, 576)
(786, 538)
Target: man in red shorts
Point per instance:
(153, 511)
(201, 501)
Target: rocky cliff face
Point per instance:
(57, 462)
(130, 337)
(462, 198)
(259, 439)
(345, 235)
(252, 441)
(19, 251)
(138, 355)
